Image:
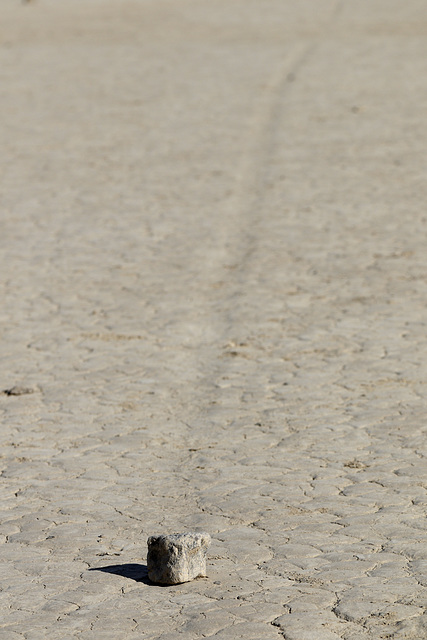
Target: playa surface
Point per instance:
(213, 316)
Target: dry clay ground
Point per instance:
(214, 282)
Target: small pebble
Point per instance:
(18, 391)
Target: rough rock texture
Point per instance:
(177, 558)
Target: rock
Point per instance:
(176, 558)
(17, 391)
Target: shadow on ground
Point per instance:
(137, 572)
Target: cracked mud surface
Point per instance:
(214, 317)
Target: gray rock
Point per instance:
(17, 391)
(176, 558)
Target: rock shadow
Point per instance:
(137, 572)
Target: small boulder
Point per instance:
(176, 558)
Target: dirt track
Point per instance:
(213, 259)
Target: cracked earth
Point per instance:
(213, 317)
